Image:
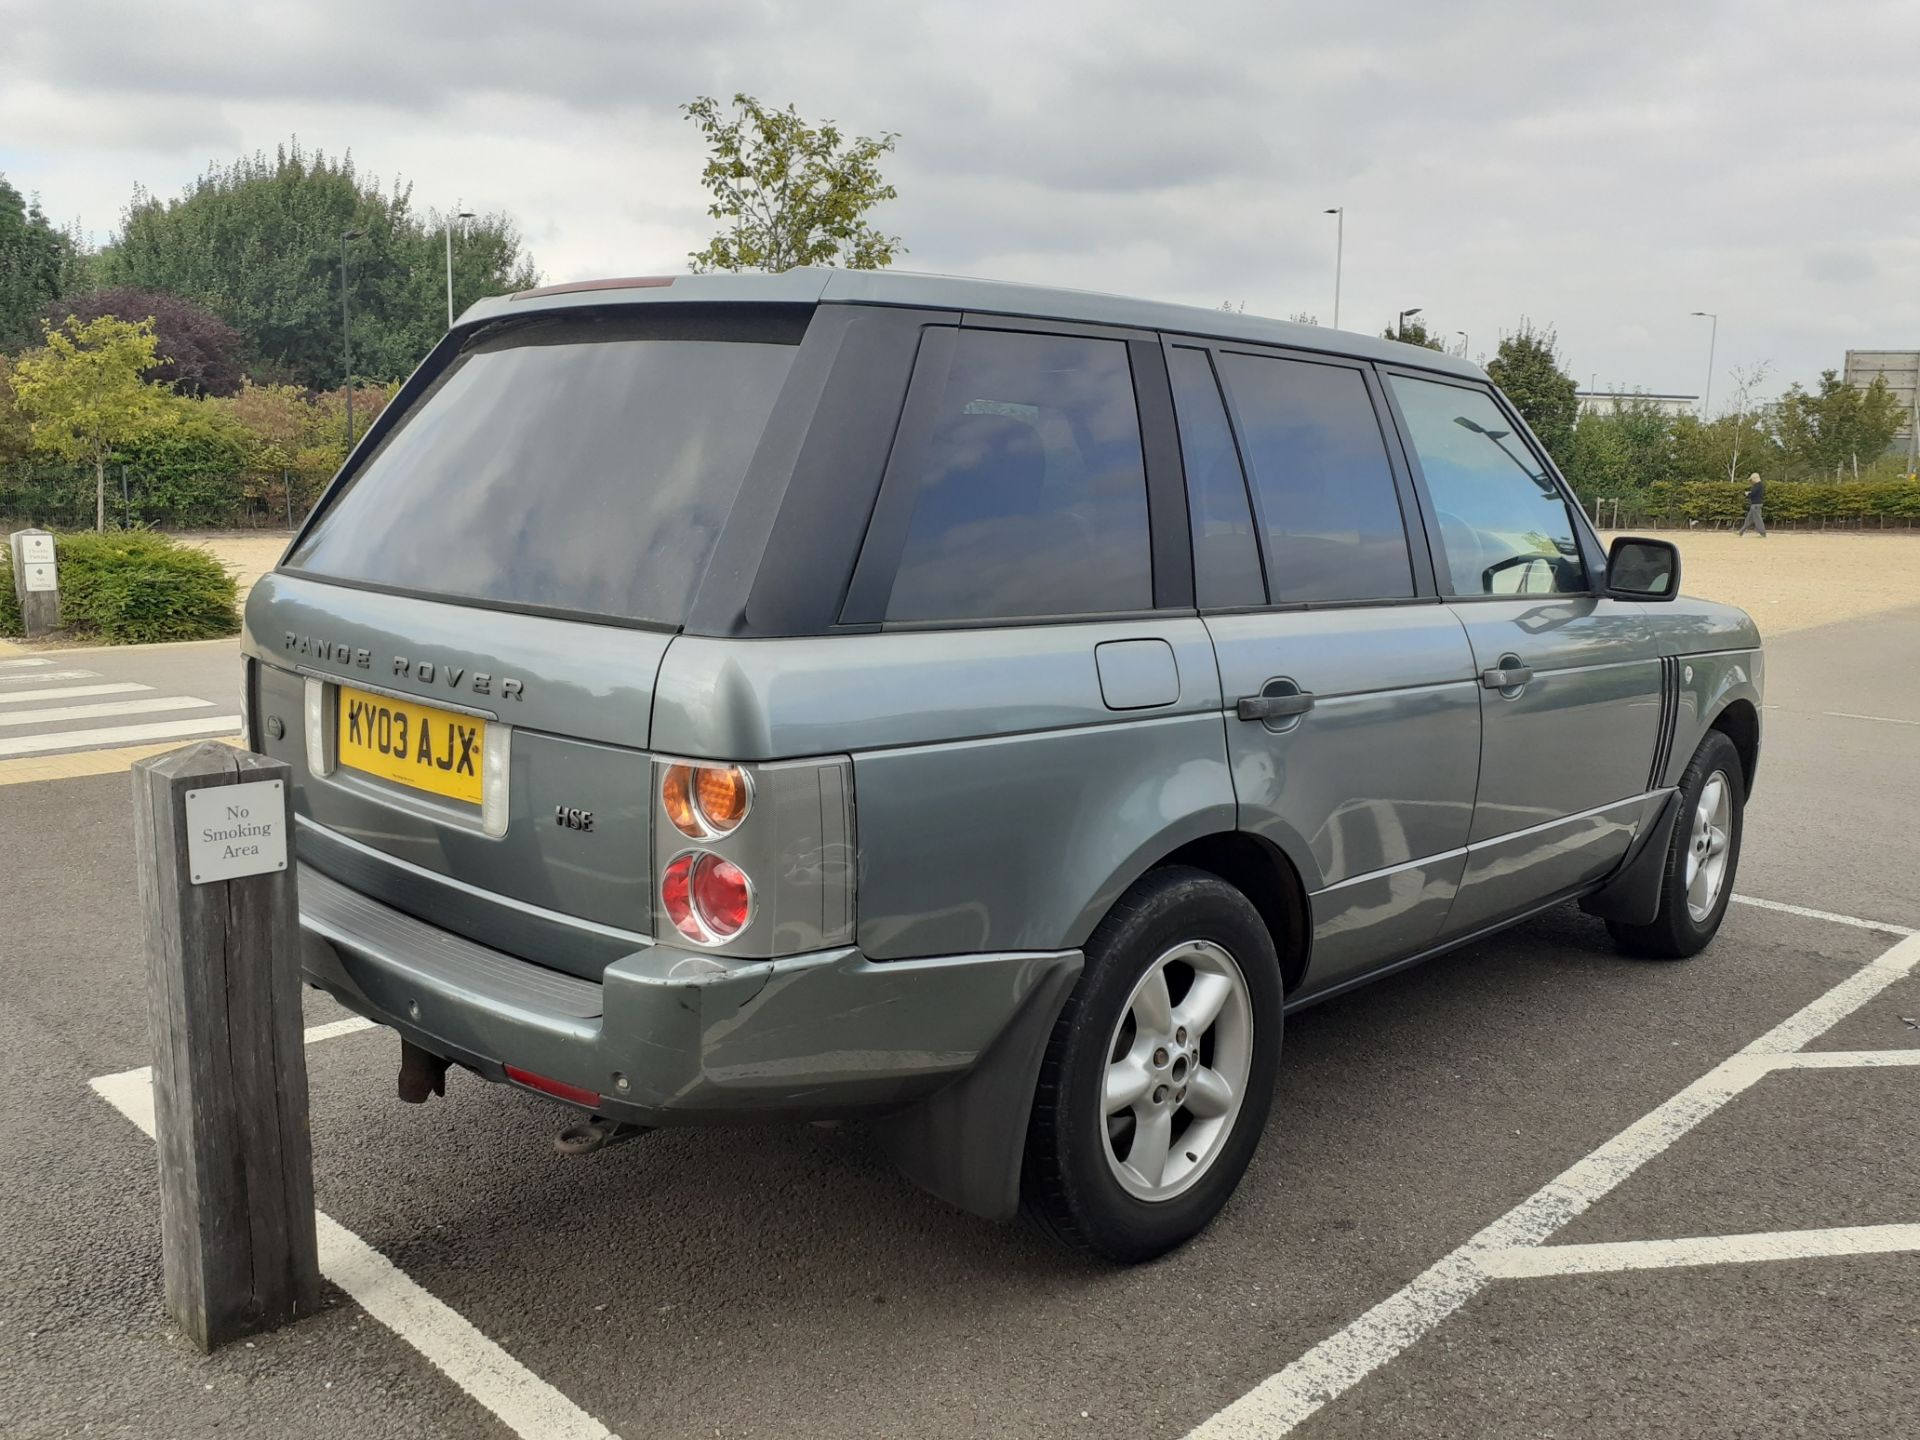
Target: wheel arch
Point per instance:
(1261, 871)
(1739, 721)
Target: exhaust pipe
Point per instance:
(422, 1074)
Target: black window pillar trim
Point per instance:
(789, 553)
(1184, 342)
(892, 516)
(1167, 519)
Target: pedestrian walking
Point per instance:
(1756, 497)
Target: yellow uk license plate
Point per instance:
(413, 745)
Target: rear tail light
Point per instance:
(707, 897)
(770, 867)
(705, 802)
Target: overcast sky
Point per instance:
(1604, 169)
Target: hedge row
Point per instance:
(132, 588)
(1789, 502)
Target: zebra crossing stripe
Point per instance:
(148, 706)
(211, 726)
(70, 692)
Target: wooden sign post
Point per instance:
(220, 920)
(36, 581)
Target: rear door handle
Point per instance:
(1506, 677)
(1274, 707)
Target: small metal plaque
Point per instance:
(236, 830)
(35, 548)
(39, 577)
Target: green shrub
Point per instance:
(9, 602)
(1789, 502)
(134, 588)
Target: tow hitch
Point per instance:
(596, 1132)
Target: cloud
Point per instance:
(1604, 169)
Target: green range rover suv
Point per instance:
(982, 710)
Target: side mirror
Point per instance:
(1639, 569)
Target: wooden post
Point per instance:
(36, 582)
(230, 1065)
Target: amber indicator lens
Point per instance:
(723, 796)
(676, 796)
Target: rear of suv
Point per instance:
(976, 709)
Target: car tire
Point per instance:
(1702, 855)
(1129, 1181)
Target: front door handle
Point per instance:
(1274, 707)
(1509, 674)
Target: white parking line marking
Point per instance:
(42, 677)
(151, 705)
(520, 1399)
(1532, 1262)
(1280, 1402)
(120, 735)
(1884, 926)
(23, 664)
(353, 1024)
(1883, 719)
(70, 692)
(1845, 1059)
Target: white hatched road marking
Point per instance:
(1280, 1402)
(42, 677)
(119, 735)
(520, 1399)
(148, 706)
(71, 692)
(1531, 1262)
(23, 664)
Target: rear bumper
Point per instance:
(671, 1036)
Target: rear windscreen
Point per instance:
(572, 464)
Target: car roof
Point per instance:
(826, 284)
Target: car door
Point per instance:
(1570, 680)
(1351, 709)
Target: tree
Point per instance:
(258, 243)
(1412, 330)
(200, 352)
(36, 264)
(1527, 367)
(1822, 432)
(789, 193)
(82, 394)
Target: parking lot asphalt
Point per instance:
(786, 1282)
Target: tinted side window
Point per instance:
(1503, 523)
(1226, 557)
(1033, 499)
(1328, 505)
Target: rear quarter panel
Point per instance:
(999, 803)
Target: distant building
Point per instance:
(1607, 402)
(1901, 370)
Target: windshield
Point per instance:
(576, 464)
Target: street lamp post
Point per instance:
(346, 325)
(1465, 344)
(1400, 325)
(1339, 254)
(453, 220)
(1713, 339)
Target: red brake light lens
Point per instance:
(722, 896)
(707, 897)
(676, 898)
